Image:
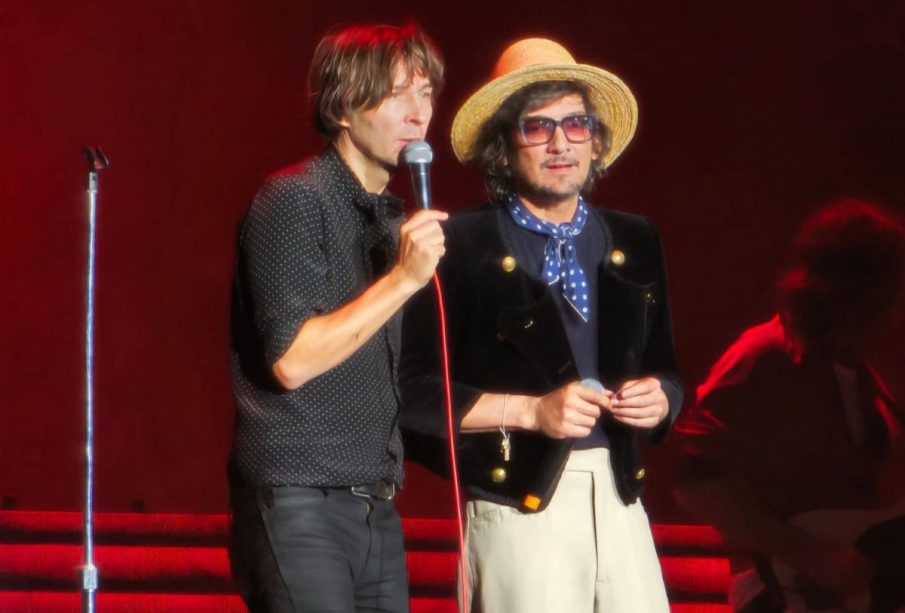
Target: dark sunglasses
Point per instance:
(538, 130)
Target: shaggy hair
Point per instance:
(847, 266)
(353, 69)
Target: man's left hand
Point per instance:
(640, 403)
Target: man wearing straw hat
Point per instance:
(548, 297)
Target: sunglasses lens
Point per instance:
(578, 128)
(537, 130)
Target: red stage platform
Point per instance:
(178, 563)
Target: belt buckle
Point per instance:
(392, 493)
(358, 492)
(380, 490)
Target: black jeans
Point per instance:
(301, 549)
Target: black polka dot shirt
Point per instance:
(311, 242)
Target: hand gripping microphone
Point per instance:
(418, 155)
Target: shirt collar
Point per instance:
(373, 204)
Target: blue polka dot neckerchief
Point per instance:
(560, 255)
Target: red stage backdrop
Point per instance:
(750, 116)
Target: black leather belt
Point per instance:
(384, 490)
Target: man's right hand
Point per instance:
(570, 411)
(421, 245)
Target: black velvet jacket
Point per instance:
(505, 335)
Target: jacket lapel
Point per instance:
(528, 318)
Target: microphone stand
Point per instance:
(97, 161)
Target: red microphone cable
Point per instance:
(418, 155)
(451, 434)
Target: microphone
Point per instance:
(418, 155)
(594, 384)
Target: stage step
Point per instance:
(68, 602)
(178, 562)
(182, 569)
(212, 530)
(174, 528)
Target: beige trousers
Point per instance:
(586, 552)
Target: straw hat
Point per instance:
(531, 60)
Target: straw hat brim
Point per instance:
(613, 103)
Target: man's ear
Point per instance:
(596, 148)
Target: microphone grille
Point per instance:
(417, 152)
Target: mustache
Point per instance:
(559, 161)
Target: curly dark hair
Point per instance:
(847, 268)
(495, 141)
